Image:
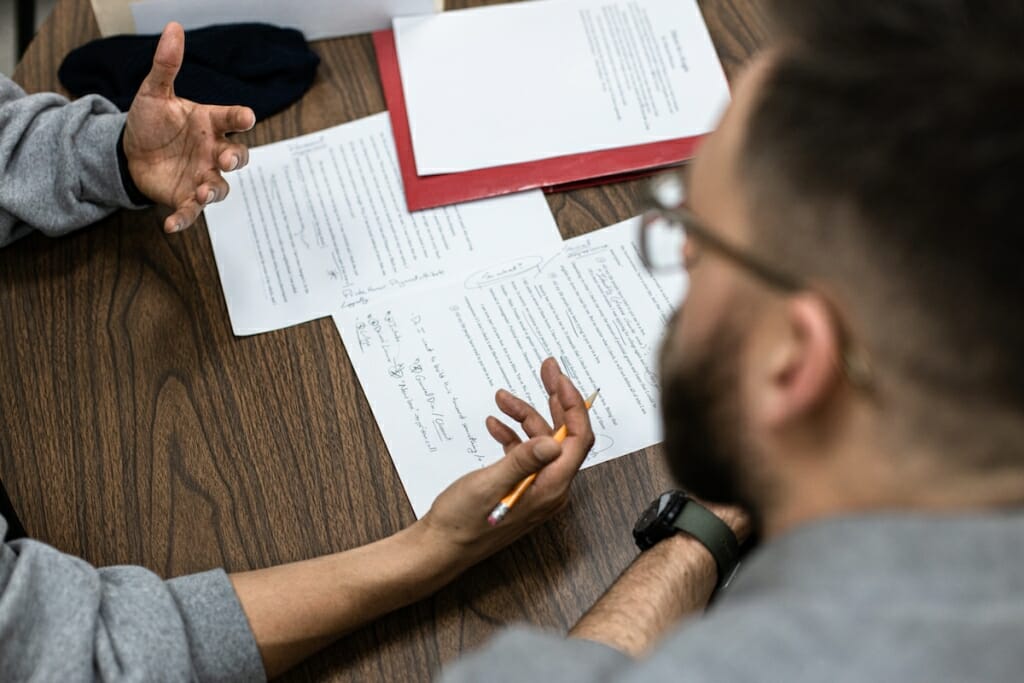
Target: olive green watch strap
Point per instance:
(713, 533)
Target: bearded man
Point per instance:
(847, 368)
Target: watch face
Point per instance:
(649, 516)
(656, 521)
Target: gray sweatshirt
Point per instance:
(62, 619)
(58, 162)
(887, 597)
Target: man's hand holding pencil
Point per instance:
(459, 517)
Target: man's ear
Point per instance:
(803, 361)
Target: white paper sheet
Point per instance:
(431, 363)
(315, 18)
(512, 83)
(319, 222)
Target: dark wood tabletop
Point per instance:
(136, 429)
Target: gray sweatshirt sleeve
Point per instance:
(58, 162)
(522, 654)
(63, 620)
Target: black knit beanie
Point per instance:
(257, 65)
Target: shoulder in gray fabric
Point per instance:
(873, 598)
(58, 162)
(63, 620)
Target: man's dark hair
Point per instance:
(885, 157)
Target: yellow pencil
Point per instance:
(502, 508)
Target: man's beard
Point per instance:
(704, 443)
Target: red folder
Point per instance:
(553, 175)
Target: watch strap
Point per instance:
(713, 533)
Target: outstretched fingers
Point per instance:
(550, 375)
(232, 157)
(170, 52)
(234, 119)
(502, 433)
(523, 459)
(579, 437)
(212, 188)
(185, 215)
(532, 422)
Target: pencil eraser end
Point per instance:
(497, 514)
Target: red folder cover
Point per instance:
(554, 174)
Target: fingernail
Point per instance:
(234, 163)
(176, 227)
(211, 197)
(547, 450)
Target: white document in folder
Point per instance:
(315, 18)
(430, 363)
(319, 222)
(518, 82)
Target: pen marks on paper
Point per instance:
(602, 442)
(584, 249)
(360, 296)
(505, 271)
(421, 378)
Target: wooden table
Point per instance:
(135, 428)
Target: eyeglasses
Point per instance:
(672, 238)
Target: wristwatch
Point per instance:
(675, 511)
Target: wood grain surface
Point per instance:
(135, 428)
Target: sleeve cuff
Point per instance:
(222, 643)
(135, 195)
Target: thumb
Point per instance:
(527, 458)
(170, 52)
